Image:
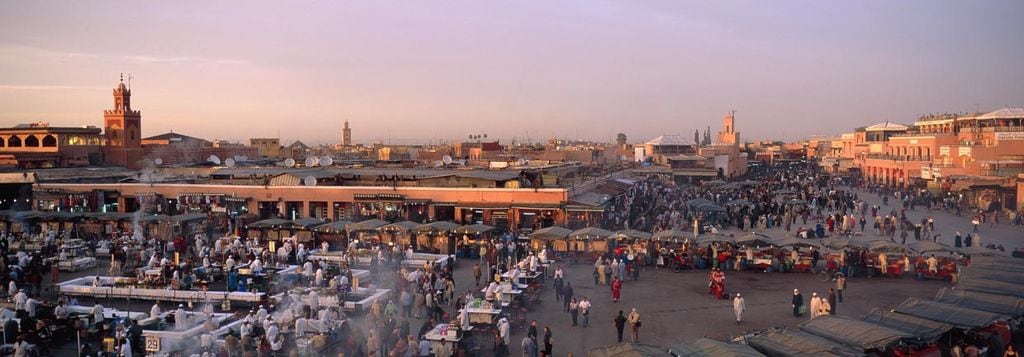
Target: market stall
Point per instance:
(555, 236)
(782, 342)
(709, 347)
(866, 336)
(595, 240)
(437, 237)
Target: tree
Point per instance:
(621, 139)
(696, 136)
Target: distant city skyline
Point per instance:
(415, 72)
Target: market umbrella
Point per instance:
(307, 223)
(591, 233)
(699, 202)
(438, 226)
(632, 234)
(551, 233)
(670, 234)
(474, 229)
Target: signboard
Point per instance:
(964, 151)
(152, 344)
(944, 150)
(913, 141)
(926, 172)
(1014, 135)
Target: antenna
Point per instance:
(130, 81)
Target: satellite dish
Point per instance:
(312, 161)
(326, 161)
(158, 161)
(447, 160)
(229, 162)
(522, 162)
(309, 181)
(289, 162)
(214, 159)
(438, 163)
(243, 158)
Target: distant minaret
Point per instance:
(346, 135)
(729, 136)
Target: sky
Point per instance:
(422, 71)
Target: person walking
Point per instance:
(739, 305)
(566, 295)
(634, 324)
(529, 347)
(798, 302)
(616, 289)
(574, 310)
(477, 273)
(840, 286)
(584, 308)
(558, 289)
(832, 300)
(620, 324)
(547, 342)
(815, 305)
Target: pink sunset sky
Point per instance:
(416, 71)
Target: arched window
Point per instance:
(32, 141)
(49, 141)
(14, 142)
(3, 142)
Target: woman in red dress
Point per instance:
(616, 289)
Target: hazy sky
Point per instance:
(417, 70)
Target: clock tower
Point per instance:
(122, 126)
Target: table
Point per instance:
(525, 278)
(444, 336)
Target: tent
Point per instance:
(185, 218)
(1000, 304)
(991, 287)
(403, 226)
(793, 242)
(558, 236)
(951, 314)
(863, 335)
(923, 329)
(631, 234)
(782, 342)
(707, 347)
(625, 349)
(398, 232)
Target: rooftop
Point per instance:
(1004, 113)
(887, 126)
(671, 140)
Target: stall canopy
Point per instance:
(403, 226)
(625, 349)
(739, 202)
(187, 217)
(270, 223)
(589, 233)
(333, 227)
(923, 247)
(793, 242)
(754, 239)
(1000, 304)
(971, 273)
(997, 263)
(979, 252)
(714, 238)
(474, 229)
(946, 313)
(991, 287)
(696, 202)
(707, 347)
(835, 243)
(307, 223)
(670, 234)
(710, 208)
(632, 234)
(922, 329)
(551, 233)
(367, 225)
(864, 335)
(109, 216)
(782, 342)
(153, 218)
(438, 227)
(885, 246)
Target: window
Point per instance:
(49, 141)
(14, 142)
(32, 141)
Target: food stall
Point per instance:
(710, 347)
(481, 312)
(784, 342)
(436, 237)
(866, 336)
(556, 237)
